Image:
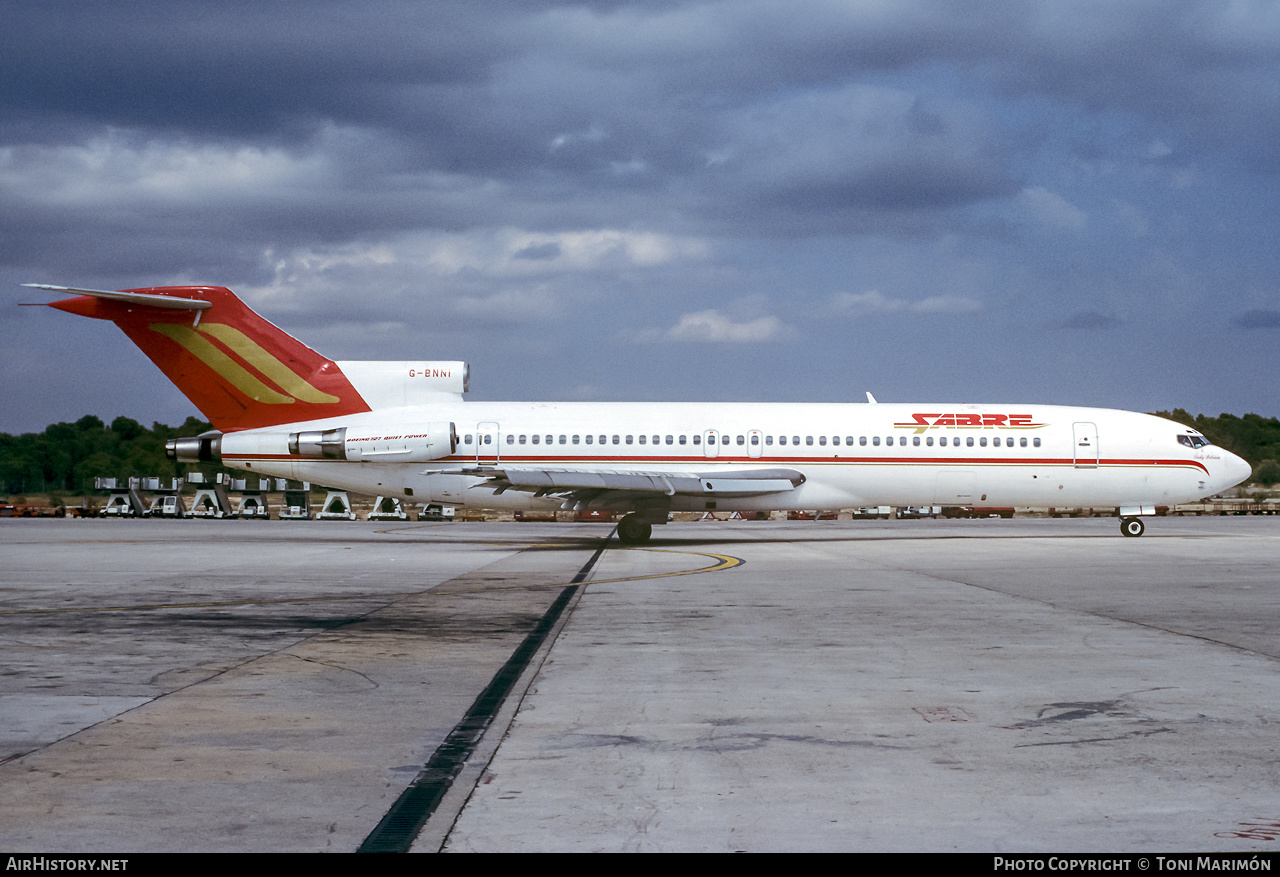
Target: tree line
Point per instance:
(1252, 436)
(66, 457)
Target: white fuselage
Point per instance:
(851, 455)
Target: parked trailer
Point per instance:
(1230, 507)
(920, 511)
(27, 510)
(976, 512)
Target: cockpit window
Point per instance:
(1193, 441)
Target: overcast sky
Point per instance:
(1059, 202)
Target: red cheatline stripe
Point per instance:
(511, 459)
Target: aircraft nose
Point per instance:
(1234, 470)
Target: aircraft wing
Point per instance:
(622, 486)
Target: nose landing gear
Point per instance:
(1132, 526)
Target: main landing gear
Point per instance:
(1132, 526)
(631, 531)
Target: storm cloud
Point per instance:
(914, 198)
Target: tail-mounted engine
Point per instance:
(205, 448)
(319, 444)
(415, 444)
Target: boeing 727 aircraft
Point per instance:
(402, 429)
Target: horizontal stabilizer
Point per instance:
(137, 298)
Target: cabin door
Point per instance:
(487, 451)
(711, 443)
(1086, 445)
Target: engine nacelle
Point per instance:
(407, 444)
(204, 448)
(319, 444)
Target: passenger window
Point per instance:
(697, 439)
(848, 440)
(875, 440)
(943, 441)
(983, 441)
(969, 441)
(795, 440)
(742, 440)
(562, 439)
(724, 439)
(575, 439)
(822, 440)
(862, 440)
(915, 441)
(511, 440)
(808, 440)
(902, 441)
(681, 439)
(535, 439)
(768, 440)
(670, 440)
(782, 439)
(928, 440)
(588, 439)
(617, 440)
(1022, 441)
(755, 440)
(1036, 442)
(996, 441)
(466, 439)
(550, 438)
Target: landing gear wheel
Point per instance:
(1132, 526)
(632, 532)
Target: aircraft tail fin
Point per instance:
(240, 370)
